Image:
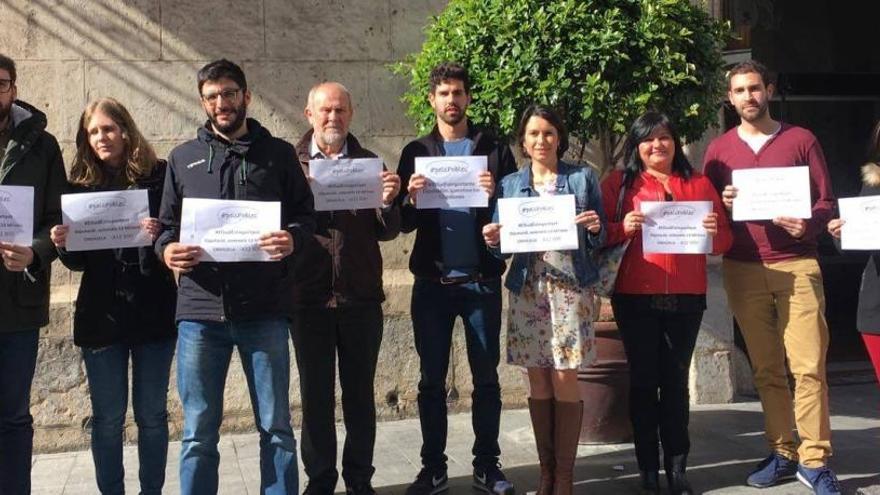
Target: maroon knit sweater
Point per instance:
(792, 146)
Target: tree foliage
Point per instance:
(600, 62)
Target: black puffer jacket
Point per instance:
(126, 295)
(256, 167)
(32, 158)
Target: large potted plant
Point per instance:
(602, 63)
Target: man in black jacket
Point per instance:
(455, 276)
(29, 156)
(339, 307)
(241, 304)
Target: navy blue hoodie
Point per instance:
(255, 167)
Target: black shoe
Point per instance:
(429, 482)
(650, 482)
(675, 475)
(318, 489)
(360, 489)
(491, 480)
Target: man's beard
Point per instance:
(762, 111)
(233, 125)
(333, 137)
(5, 112)
(451, 120)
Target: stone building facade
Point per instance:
(146, 53)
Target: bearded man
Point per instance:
(243, 305)
(774, 285)
(338, 296)
(455, 277)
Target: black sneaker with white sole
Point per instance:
(429, 482)
(491, 480)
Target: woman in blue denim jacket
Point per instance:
(550, 311)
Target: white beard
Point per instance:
(333, 137)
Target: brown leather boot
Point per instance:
(567, 430)
(542, 424)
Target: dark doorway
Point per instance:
(828, 79)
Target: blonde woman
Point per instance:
(125, 307)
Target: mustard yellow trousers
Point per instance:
(780, 309)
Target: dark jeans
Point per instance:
(659, 345)
(319, 335)
(18, 359)
(434, 309)
(107, 372)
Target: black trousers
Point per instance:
(354, 334)
(659, 345)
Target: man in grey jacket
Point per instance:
(29, 156)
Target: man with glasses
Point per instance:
(243, 305)
(29, 156)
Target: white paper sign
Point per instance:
(453, 182)
(346, 184)
(105, 220)
(17, 215)
(767, 193)
(228, 230)
(537, 224)
(861, 229)
(675, 227)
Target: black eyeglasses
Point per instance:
(226, 95)
(5, 85)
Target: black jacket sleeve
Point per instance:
(298, 208)
(405, 169)
(388, 219)
(56, 185)
(169, 210)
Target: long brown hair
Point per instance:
(139, 158)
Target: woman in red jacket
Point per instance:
(659, 299)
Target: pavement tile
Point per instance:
(727, 442)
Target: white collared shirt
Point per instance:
(315, 151)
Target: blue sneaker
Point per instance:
(772, 470)
(821, 480)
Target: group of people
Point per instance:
(324, 290)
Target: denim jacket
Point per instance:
(570, 179)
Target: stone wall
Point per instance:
(145, 53)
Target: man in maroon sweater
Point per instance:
(774, 285)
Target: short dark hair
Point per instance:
(639, 131)
(548, 114)
(447, 71)
(8, 64)
(750, 66)
(220, 69)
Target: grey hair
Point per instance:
(340, 86)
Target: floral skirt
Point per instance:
(550, 322)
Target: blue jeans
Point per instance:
(204, 349)
(434, 309)
(107, 372)
(18, 359)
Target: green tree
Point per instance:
(600, 62)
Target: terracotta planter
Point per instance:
(604, 389)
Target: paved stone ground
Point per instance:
(727, 442)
